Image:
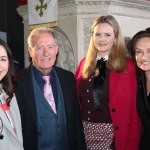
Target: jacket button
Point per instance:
(89, 112)
(116, 128)
(113, 110)
(39, 133)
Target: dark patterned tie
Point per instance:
(98, 82)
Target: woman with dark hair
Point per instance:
(106, 84)
(140, 45)
(10, 123)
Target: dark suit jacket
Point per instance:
(143, 107)
(26, 102)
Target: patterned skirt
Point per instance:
(98, 136)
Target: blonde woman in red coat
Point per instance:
(106, 84)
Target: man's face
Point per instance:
(44, 52)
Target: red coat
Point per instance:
(122, 106)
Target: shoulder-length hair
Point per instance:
(10, 79)
(132, 45)
(139, 35)
(117, 57)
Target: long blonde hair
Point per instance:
(117, 57)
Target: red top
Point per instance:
(122, 106)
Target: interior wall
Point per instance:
(11, 23)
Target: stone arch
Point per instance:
(65, 58)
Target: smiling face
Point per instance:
(44, 52)
(104, 38)
(142, 53)
(4, 62)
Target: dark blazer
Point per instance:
(26, 101)
(143, 107)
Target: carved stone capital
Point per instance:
(23, 12)
(134, 8)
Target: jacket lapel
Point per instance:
(6, 123)
(114, 80)
(27, 86)
(66, 96)
(16, 117)
(143, 89)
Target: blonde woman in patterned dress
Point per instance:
(106, 84)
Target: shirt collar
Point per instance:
(105, 58)
(37, 70)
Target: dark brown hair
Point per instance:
(141, 34)
(10, 79)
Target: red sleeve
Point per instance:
(78, 76)
(78, 72)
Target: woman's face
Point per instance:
(104, 38)
(142, 53)
(4, 63)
